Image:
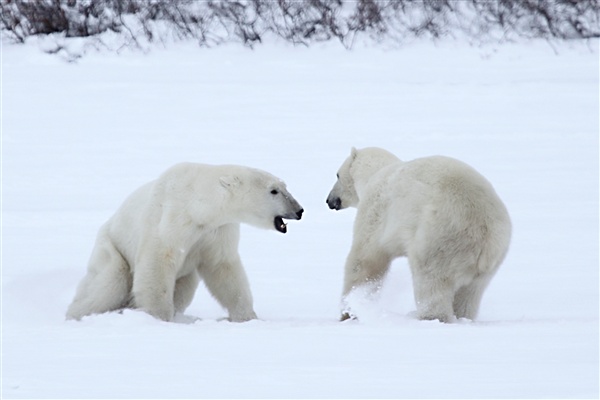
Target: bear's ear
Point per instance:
(353, 153)
(229, 182)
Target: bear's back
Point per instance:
(447, 190)
(448, 177)
(462, 196)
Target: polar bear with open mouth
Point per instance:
(177, 230)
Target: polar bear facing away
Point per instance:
(177, 230)
(438, 212)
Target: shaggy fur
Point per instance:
(437, 211)
(175, 231)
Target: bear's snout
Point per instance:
(299, 213)
(335, 203)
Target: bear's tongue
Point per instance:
(280, 225)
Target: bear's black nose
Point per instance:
(299, 213)
(334, 204)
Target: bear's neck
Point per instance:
(364, 174)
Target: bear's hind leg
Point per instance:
(433, 289)
(468, 298)
(106, 285)
(434, 299)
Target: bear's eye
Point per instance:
(274, 192)
(338, 176)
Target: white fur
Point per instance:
(437, 211)
(172, 232)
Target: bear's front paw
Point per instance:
(185, 319)
(239, 317)
(164, 313)
(347, 315)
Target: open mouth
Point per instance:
(280, 225)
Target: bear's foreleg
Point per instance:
(154, 284)
(365, 268)
(228, 284)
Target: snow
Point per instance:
(78, 137)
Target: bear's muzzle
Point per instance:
(281, 226)
(334, 203)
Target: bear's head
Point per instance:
(261, 199)
(354, 175)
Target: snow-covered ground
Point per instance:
(77, 138)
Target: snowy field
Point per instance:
(77, 138)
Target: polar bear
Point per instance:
(174, 231)
(438, 212)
